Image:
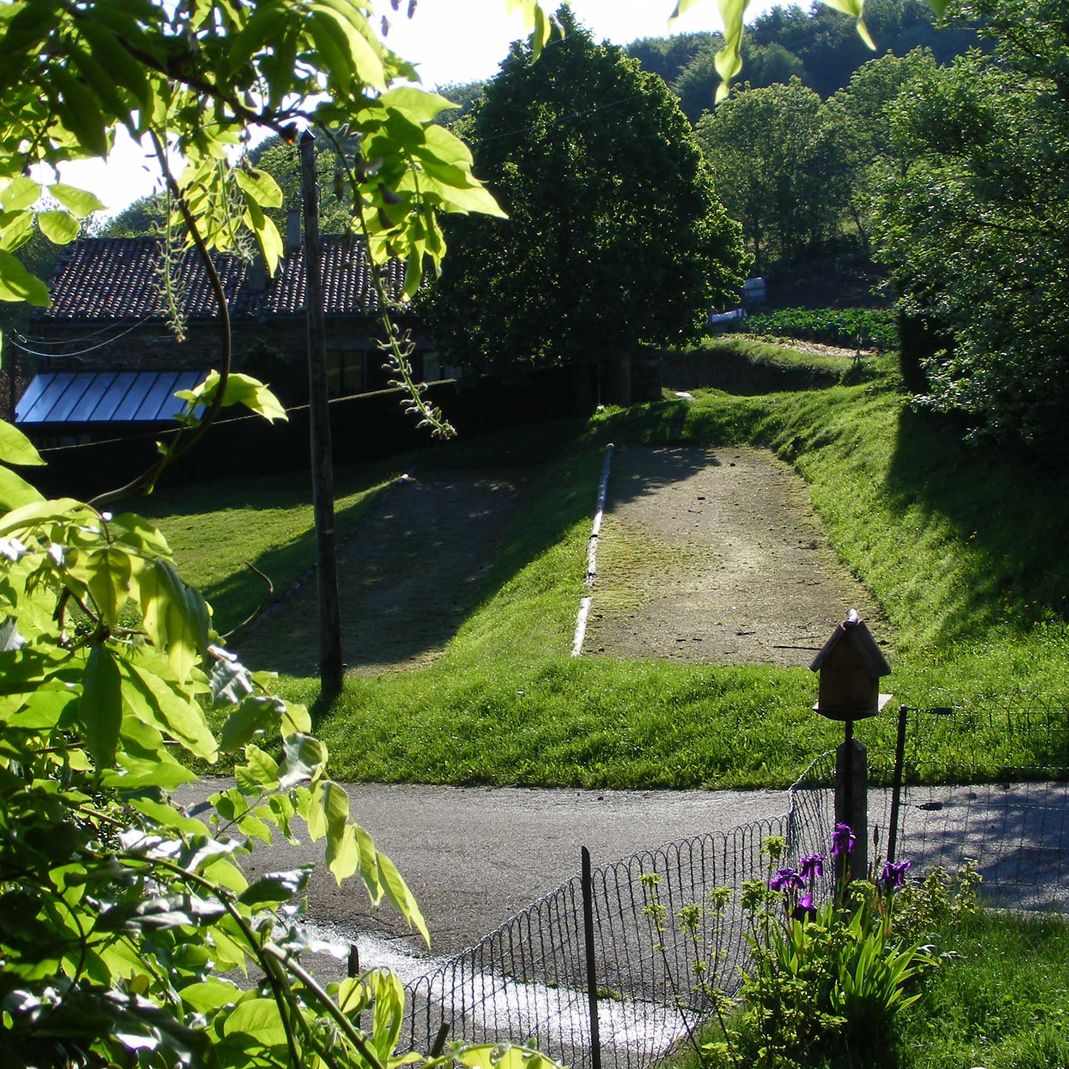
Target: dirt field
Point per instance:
(407, 578)
(715, 557)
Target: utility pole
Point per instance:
(330, 662)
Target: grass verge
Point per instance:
(960, 545)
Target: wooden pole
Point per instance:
(330, 662)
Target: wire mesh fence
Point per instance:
(529, 981)
(534, 977)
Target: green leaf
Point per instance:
(61, 228)
(79, 111)
(389, 998)
(259, 773)
(342, 853)
(136, 773)
(240, 389)
(259, 1018)
(22, 193)
(256, 715)
(15, 491)
(274, 888)
(174, 615)
(397, 891)
(342, 31)
(16, 228)
(106, 573)
(17, 284)
(306, 756)
(259, 185)
(16, 448)
(123, 68)
(100, 706)
(41, 512)
(728, 61)
(137, 533)
(417, 105)
(267, 235)
(79, 202)
(210, 995)
(180, 717)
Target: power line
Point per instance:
(17, 343)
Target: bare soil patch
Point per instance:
(716, 556)
(408, 577)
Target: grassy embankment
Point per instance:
(961, 545)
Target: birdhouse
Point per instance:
(850, 667)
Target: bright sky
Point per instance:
(450, 41)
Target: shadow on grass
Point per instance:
(1013, 514)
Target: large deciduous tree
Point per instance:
(976, 226)
(615, 235)
(779, 168)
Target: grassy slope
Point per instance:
(265, 521)
(960, 547)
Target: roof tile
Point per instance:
(119, 279)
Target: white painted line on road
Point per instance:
(592, 554)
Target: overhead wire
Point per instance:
(17, 342)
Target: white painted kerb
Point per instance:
(592, 555)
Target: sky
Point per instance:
(450, 42)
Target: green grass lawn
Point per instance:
(1003, 1003)
(961, 545)
(1000, 1000)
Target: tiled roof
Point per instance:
(119, 278)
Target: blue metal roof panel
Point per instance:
(95, 389)
(113, 396)
(67, 401)
(105, 397)
(28, 401)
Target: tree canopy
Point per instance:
(974, 224)
(614, 235)
(778, 166)
(815, 45)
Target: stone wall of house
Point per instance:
(274, 351)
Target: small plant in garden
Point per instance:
(824, 976)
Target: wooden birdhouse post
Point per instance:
(851, 666)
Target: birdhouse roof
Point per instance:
(854, 632)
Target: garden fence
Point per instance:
(593, 978)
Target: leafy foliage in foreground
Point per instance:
(120, 910)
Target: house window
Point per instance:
(345, 372)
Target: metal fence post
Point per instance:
(591, 968)
(896, 786)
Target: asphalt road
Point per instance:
(474, 856)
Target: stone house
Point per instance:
(106, 353)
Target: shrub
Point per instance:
(865, 328)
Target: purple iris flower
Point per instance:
(842, 840)
(786, 880)
(894, 874)
(811, 866)
(805, 910)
